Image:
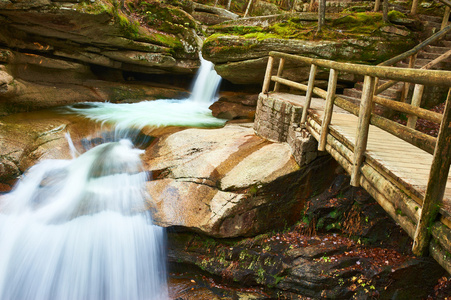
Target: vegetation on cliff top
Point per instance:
(343, 26)
(149, 21)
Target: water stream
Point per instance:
(81, 228)
(192, 112)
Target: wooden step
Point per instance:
(397, 86)
(388, 94)
(440, 66)
(436, 49)
(436, 25)
(428, 55)
(392, 93)
(354, 93)
(351, 99)
(419, 62)
(432, 56)
(430, 18)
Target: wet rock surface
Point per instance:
(345, 247)
(28, 138)
(232, 106)
(55, 53)
(342, 245)
(228, 182)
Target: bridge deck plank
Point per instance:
(407, 164)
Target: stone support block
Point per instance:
(278, 121)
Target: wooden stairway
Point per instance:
(429, 53)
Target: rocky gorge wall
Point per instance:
(54, 52)
(60, 52)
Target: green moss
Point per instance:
(260, 275)
(362, 23)
(166, 18)
(129, 27)
(334, 214)
(95, 8)
(349, 26)
(394, 14)
(333, 226)
(215, 46)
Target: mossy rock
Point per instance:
(186, 5)
(359, 23)
(166, 18)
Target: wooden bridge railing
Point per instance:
(447, 4)
(440, 147)
(411, 55)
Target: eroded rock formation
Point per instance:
(228, 182)
(239, 48)
(55, 53)
(345, 247)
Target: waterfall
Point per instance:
(79, 229)
(192, 112)
(206, 83)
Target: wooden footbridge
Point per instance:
(406, 171)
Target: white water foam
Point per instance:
(192, 112)
(79, 229)
(206, 83)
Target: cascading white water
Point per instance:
(192, 112)
(79, 229)
(206, 83)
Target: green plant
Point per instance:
(326, 259)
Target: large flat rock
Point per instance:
(227, 182)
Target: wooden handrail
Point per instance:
(416, 138)
(412, 54)
(417, 76)
(436, 182)
(409, 109)
(309, 91)
(363, 127)
(329, 108)
(440, 147)
(446, 2)
(417, 48)
(419, 88)
(426, 77)
(438, 60)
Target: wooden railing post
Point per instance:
(445, 17)
(279, 73)
(405, 88)
(308, 95)
(363, 127)
(268, 72)
(329, 107)
(416, 102)
(436, 183)
(413, 10)
(377, 4)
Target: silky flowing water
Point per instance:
(81, 228)
(193, 112)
